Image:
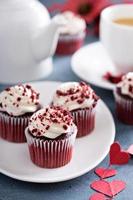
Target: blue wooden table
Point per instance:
(78, 188)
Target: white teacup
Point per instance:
(117, 38)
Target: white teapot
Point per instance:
(28, 39)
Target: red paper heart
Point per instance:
(112, 77)
(108, 188)
(130, 149)
(105, 172)
(118, 156)
(98, 196)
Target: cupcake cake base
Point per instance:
(84, 120)
(51, 160)
(12, 128)
(124, 109)
(51, 153)
(69, 46)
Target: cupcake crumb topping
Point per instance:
(126, 85)
(73, 95)
(50, 122)
(19, 99)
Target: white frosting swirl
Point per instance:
(50, 122)
(74, 25)
(18, 100)
(74, 95)
(126, 85)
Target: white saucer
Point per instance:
(89, 151)
(91, 62)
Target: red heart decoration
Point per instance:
(112, 78)
(130, 149)
(108, 188)
(118, 156)
(98, 196)
(105, 172)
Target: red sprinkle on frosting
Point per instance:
(28, 86)
(131, 88)
(7, 89)
(19, 99)
(65, 127)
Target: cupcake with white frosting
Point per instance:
(124, 99)
(81, 101)
(17, 104)
(50, 136)
(72, 34)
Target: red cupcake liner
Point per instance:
(51, 153)
(13, 128)
(67, 46)
(124, 109)
(84, 120)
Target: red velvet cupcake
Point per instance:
(72, 34)
(81, 101)
(124, 99)
(50, 136)
(17, 104)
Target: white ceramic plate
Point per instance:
(91, 62)
(89, 151)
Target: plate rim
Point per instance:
(73, 67)
(77, 174)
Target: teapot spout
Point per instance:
(44, 41)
